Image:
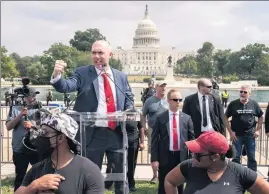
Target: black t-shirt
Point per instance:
(243, 116)
(148, 93)
(236, 179)
(133, 128)
(81, 175)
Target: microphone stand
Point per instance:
(125, 138)
(117, 86)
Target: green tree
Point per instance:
(204, 59)
(251, 58)
(83, 41)
(186, 65)
(35, 70)
(22, 63)
(59, 51)
(116, 64)
(8, 65)
(222, 60)
(233, 64)
(83, 58)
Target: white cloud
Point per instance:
(31, 27)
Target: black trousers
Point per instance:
(224, 102)
(173, 161)
(21, 162)
(132, 160)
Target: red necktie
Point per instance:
(110, 103)
(175, 136)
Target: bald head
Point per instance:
(204, 82)
(204, 86)
(103, 43)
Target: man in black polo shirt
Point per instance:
(243, 129)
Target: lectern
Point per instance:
(87, 120)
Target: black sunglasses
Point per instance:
(208, 87)
(198, 155)
(177, 99)
(245, 92)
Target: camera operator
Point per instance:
(20, 119)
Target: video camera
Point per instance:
(24, 92)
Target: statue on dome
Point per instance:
(169, 59)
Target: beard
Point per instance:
(243, 98)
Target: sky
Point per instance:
(29, 28)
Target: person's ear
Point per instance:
(61, 138)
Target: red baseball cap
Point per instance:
(210, 141)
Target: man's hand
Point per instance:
(59, 67)
(48, 182)
(23, 112)
(256, 134)
(233, 136)
(27, 124)
(141, 146)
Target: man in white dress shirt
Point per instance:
(170, 131)
(101, 89)
(205, 109)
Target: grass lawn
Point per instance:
(143, 187)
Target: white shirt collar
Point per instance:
(200, 96)
(109, 71)
(172, 113)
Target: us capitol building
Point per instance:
(146, 56)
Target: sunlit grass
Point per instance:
(143, 187)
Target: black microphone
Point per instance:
(104, 65)
(83, 90)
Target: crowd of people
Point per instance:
(188, 146)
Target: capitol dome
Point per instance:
(146, 22)
(146, 34)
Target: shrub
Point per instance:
(147, 80)
(229, 78)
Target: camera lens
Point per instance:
(26, 91)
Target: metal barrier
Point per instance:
(262, 144)
(262, 149)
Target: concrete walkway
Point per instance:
(143, 172)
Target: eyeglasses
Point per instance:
(197, 156)
(208, 87)
(177, 99)
(245, 92)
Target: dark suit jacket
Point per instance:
(84, 79)
(160, 137)
(88, 100)
(191, 107)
